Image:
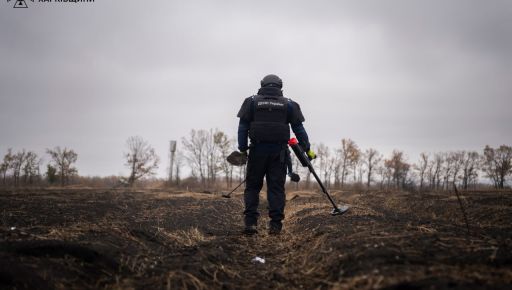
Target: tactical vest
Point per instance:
(270, 120)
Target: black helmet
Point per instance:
(272, 81)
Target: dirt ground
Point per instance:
(113, 239)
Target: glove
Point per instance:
(294, 177)
(311, 154)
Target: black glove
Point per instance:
(294, 177)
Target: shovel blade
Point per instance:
(226, 195)
(341, 209)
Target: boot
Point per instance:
(274, 229)
(250, 230)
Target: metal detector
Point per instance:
(305, 162)
(228, 195)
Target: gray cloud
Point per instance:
(414, 75)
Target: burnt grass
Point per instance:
(156, 239)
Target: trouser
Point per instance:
(273, 167)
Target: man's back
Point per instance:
(266, 118)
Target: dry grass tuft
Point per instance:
(190, 237)
(184, 280)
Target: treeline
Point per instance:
(348, 165)
(204, 152)
(24, 167)
(432, 171)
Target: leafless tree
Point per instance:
(63, 160)
(379, 171)
(446, 169)
(399, 168)
(17, 164)
(361, 170)
(497, 164)
(469, 167)
(30, 167)
(141, 159)
(385, 174)
(435, 171)
(324, 163)
(215, 139)
(349, 156)
(6, 165)
(51, 174)
(195, 153)
(457, 162)
(372, 158)
(206, 152)
(224, 146)
(422, 168)
(355, 165)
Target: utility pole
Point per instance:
(172, 152)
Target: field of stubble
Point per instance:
(155, 239)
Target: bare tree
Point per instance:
(140, 158)
(17, 162)
(457, 162)
(206, 152)
(399, 168)
(385, 175)
(63, 160)
(349, 156)
(30, 167)
(224, 146)
(469, 168)
(372, 158)
(422, 167)
(213, 158)
(323, 162)
(195, 148)
(446, 169)
(435, 171)
(361, 170)
(6, 165)
(51, 174)
(497, 164)
(356, 161)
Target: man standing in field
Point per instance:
(266, 118)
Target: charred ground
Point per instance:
(153, 239)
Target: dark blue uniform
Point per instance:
(266, 119)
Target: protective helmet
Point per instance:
(272, 81)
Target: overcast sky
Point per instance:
(412, 75)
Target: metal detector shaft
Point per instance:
(238, 186)
(310, 167)
(304, 160)
(229, 194)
